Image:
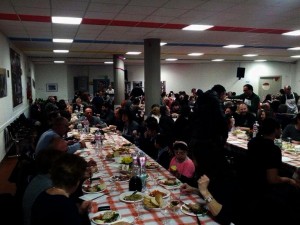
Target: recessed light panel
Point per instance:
(171, 59)
(108, 63)
(294, 49)
(59, 61)
(62, 40)
(250, 55)
(66, 20)
(295, 56)
(163, 43)
(217, 60)
(292, 33)
(260, 60)
(196, 27)
(233, 46)
(133, 53)
(195, 54)
(60, 51)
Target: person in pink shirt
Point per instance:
(181, 165)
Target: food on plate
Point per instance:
(173, 168)
(127, 160)
(132, 197)
(122, 177)
(237, 131)
(159, 199)
(195, 208)
(94, 169)
(170, 182)
(122, 149)
(106, 217)
(94, 188)
(155, 192)
(110, 156)
(125, 167)
(153, 202)
(151, 165)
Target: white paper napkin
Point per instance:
(286, 159)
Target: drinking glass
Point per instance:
(138, 208)
(166, 214)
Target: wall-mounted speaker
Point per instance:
(240, 73)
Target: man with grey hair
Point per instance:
(290, 99)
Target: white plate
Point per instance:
(122, 196)
(161, 182)
(94, 183)
(103, 222)
(166, 192)
(122, 176)
(187, 212)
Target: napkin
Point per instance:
(286, 159)
(88, 197)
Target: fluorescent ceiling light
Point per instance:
(59, 61)
(197, 27)
(60, 51)
(195, 54)
(295, 56)
(133, 53)
(233, 46)
(217, 60)
(171, 59)
(108, 62)
(250, 55)
(260, 60)
(294, 49)
(62, 40)
(292, 33)
(163, 43)
(66, 20)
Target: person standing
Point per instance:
(251, 99)
(290, 99)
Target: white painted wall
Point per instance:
(178, 77)
(54, 73)
(7, 112)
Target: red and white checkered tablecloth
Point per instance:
(148, 217)
(288, 157)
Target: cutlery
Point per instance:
(198, 220)
(103, 208)
(97, 197)
(133, 193)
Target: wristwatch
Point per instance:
(208, 199)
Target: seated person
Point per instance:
(130, 126)
(107, 115)
(59, 129)
(54, 205)
(164, 153)
(93, 120)
(181, 165)
(244, 120)
(279, 194)
(40, 182)
(293, 131)
(222, 199)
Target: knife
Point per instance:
(103, 208)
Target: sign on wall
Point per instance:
(16, 81)
(3, 83)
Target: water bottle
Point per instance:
(233, 124)
(97, 139)
(86, 124)
(143, 176)
(79, 127)
(255, 129)
(135, 182)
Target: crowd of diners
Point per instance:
(186, 134)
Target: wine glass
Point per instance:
(164, 209)
(138, 208)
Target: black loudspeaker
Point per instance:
(240, 73)
(126, 75)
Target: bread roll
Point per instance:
(159, 199)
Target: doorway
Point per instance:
(269, 85)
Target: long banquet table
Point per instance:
(289, 158)
(106, 169)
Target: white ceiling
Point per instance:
(117, 26)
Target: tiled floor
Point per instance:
(6, 167)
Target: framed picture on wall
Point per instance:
(51, 87)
